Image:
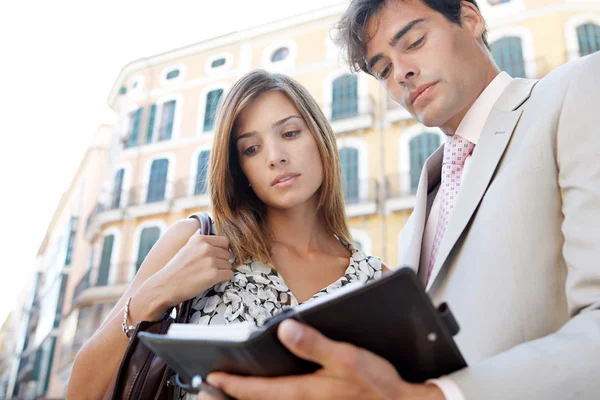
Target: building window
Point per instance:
(158, 180)
(420, 148)
(280, 54)
(151, 123)
(350, 182)
(71, 240)
(508, 55)
(123, 90)
(201, 172)
(104, 268)
(212, 100)
(167, 116)
(172, 74)
(588, 36)
(148, 238)
(218, 62)
(135, 118)
(344, 97)
(117, 189)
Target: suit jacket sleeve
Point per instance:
(566, 364)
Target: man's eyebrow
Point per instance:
(393, 41)
(275, 125)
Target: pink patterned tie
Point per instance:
(456, 151)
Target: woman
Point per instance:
(275, 187)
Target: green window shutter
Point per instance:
(172, 74)
(212, 100)
(201, 172)
(148, 238)
(508, 54)
(117, 189)
(151, 124)
(158, 180)
(588, 37)
(420, 148)
(104, 268)
(350, 182)
(344, 97)
(166, 120)
(135, 128)
(217, 63)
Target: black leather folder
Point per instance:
(392, 317)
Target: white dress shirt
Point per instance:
(470, 128)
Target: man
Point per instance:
(506, 226)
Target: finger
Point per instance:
(216, 263)
(250, 388)
(217, 252)
(311, 345)
(217, 241)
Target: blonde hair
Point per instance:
(238, 212)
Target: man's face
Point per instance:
(426, 63)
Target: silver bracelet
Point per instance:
(127, 330)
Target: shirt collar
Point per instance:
(472, 124)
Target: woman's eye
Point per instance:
(250, 150)
(291, 134)
(386, 71)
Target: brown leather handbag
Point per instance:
(141, 374)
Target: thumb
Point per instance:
(309, 344)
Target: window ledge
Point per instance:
(352, 124)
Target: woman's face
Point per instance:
(277, 152)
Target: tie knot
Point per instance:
(457, 150)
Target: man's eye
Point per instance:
(291, 134)
(417, 43)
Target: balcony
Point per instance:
(102, 284)
(190, 194)
(395, 112)
(361, 197)
(351, 114)
(400, 191)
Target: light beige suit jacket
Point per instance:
(520, 261)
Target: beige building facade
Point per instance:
(154, 170)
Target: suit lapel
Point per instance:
(490, 147)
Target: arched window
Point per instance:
(201, 172)
(172, 74)
(280, 54)
(344, 97)
(158, 180)
(167, 116)
(350, 181)
(104, 267)
(420, 148)
(212, 100)
(217, 63)
(148, 238)
(508, 54)
(588, 36)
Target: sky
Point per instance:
(59, 62)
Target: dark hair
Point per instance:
(352, 37)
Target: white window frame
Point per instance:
(527, 46)
(363, 161)
(182, 72)
(404, 149)
(202, 105)
(287, 63)
(177, 118)
(573, 50)
(222, 68)
(327, 99)
(137, 236)
(114, 257)
(194, 166)
(146, 180)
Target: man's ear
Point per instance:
(471, 19)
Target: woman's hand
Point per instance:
(201, 263)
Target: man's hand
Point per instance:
(347, 372)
